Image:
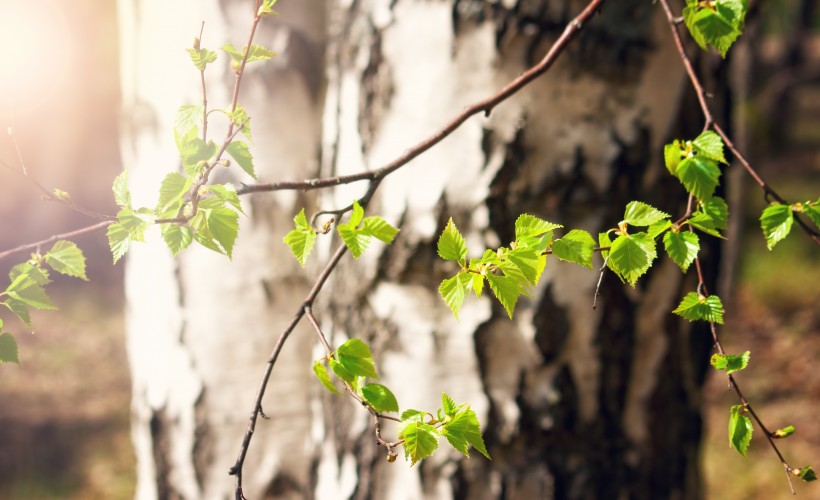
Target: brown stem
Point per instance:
(56, 237)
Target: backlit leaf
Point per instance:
(380, 398)
(631, 256)
(451, 244)
(710, 144)
(8, 349)
(576, 246)
(682, 247)
(740, 430)
(66, 258)
(356, 357)
(420, 441)
(240, 152)
(320, 370)
(776, 222)
(730, 363)
(700, 176)
(506, 290)
(301, 239)
(694, 307)
(641, 214)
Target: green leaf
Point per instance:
(717, 210)
(813, 211)
(464, 429)
(658, 228)
(740, 430)
(194, 151)
(576, 246)
(256, 53)
(8, 348)
(710, 145)
(118, 240)
(528, 262)
(527, 225)
(19, 309)
(717, 23)
(631, 256)
(641, 214)
(453, 290)
(356, 241)
(301, 239)
(66, 258)
(380, 398)
(784, 432)
(806, 474)
(201, 57)
(730, 363)
(420, 441)
(341, 371)
(135, 222)
(694, 307)
(226, 193)
(451, 244)
(171, 192)
(177, 237)
(266, 9)
(672, 155)
(320, 370)
(240, 117)
(188, 118)
(411, 415)
(26, 288)
(379, 228)
(448, 405)
(121, 194)
(699, 175)
(506, 290)
(776, 222)
(356, 357)
(223, 223)
(682, 248)
(240, 152)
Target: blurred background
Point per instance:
(64, 411)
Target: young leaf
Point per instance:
(717, 210)
(784, 432)
(411, 415)
(356, 241)
(576, 246)
(380, 398)
(717, 23)
(806, 474)
(813, 211)
(529, 226)
(320, 370)
(527, 262)
(256, 53)
(448, 405)
(66, 258)
(176, 237)
(740, 430)
(658, 228)
(223, 224)
(121, 194)
(195, 151)
(710, 145)
(118, 240)
(201, 57)
(672, 155)
(379, 228)
(420, 441)
(631, 256)
(453, 290)
(641, 214)
(776, 222)
(342, 372)
(227, 194)
(171, 192)
(356, 357)
(240, 152)
(301, 239)
(8, 348)
(699, 175)
(694, 307)
(506, 290)
(26, 287)
(730, 363)
(681, 247)
(451, 244)
(189, 117)
(240, 117)
(464, 429)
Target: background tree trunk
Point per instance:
(575, 403)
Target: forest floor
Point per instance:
(64, 411)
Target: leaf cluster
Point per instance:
(716, 23)
(419, 432)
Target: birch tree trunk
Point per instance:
(575, 402)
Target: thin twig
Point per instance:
(709, 122)
(56, 237)
(375, 177)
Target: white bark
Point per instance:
(200, 327)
